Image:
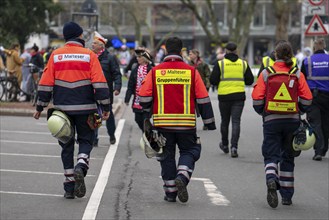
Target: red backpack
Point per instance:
(281, 91)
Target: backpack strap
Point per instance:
(267, 71)
(293, 70)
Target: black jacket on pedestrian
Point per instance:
(216, 76)
(131, 88)
(111, 72)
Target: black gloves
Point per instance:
(300, 133)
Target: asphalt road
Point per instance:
(123, 184)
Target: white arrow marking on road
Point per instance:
(96, 196)
(216, 197)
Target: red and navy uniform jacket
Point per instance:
(74, 78)
(259, 94)
(173, 90)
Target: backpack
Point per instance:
(281, 91)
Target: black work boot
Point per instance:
(169, 199)
(182, 191)
(286, 201)
(112, 139)
(272, 196)
(234, 152)
(69, 195)
(223, 148)
(79, 187)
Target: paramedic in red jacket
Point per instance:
(280, 94)
(74, 79)
(172, 91)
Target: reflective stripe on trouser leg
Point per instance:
(287, 178)
(184, 171)
(69, 180)
(271, 171)
(83, 159)
(170, 188)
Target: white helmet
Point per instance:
(309, 143)
(148, 150)
(60, 126)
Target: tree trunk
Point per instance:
(282, 11)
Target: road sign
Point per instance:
(315, 2)
(320, 10)
(316, 28)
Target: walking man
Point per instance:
(172, 91)
(231, 74)
(74, 79)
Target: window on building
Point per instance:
(259, 16)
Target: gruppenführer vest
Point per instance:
(179, 110)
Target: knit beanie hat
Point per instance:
(71, 30)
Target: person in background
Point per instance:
(231, 74)
(112, 73)
(316, 70)
(14, 64)
(171, 92)
(132, 63)
(124, 55)
(137, 75)
(269, 60)
(160, 54)
(74, 80)
(36, 58)
(280, 120)
(2, 65)
(26, 72)
(202, 67)
(185, 55)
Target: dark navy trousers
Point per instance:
(189, 153)
(278, 154)
(85, 137)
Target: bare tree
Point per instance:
(240, 13)
(213, 34)
(282, 10)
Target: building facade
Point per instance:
(159, 18)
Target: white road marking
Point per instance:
(96, 196)
(25, 132)
(32, 194)
(42, 155)
(216, 197)
(36, 132)
(35, 172)
(28, 142)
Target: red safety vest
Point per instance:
(281, 91)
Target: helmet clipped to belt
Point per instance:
(60, 126)
(304, 137)
(152, 142)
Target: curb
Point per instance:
(30, 112)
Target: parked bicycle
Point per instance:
(10, 89)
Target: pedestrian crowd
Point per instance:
(290, 93)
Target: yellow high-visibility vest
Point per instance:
(232, 76)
